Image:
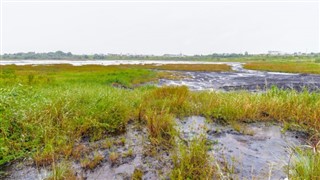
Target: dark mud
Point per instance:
(261, 151)
(243, 79)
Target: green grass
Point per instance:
(290, 67)
(41, 117)
(68, 74)
(137, 174)
(274, 105)
(186, 67)
(62, 171)
(45, 110)
(306, 165)
(192, 162)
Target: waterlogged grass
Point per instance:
(46, 110)
(290, 67)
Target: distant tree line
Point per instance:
(49, 55)
(60, 55)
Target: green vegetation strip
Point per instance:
(289, 67)
(186, 67)
(45, 110)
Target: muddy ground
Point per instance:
(259, 152)
(133, 154)
(243, 79)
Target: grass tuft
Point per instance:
(160, 126)
(137, 174)
(113, 157)
(306, 165)
(91, 163)
(192, 162)
(62, 171)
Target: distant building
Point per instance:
(275, 53)
(174, 55)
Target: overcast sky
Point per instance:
(160, 27)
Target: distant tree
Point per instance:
(98, 56)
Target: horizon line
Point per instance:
(163, 54)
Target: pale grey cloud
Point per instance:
(157, 28)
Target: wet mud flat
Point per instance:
(243, 79)
(260, 151)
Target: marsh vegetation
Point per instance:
(60, 114)
(289, 67)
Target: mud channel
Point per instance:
(243, 79)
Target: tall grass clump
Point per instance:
(192, 161)
(62, 171)
(175, 99)
(306, 165)
(160, 126)
(286, 106)
(158, 110)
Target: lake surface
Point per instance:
(100, 62)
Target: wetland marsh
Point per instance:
(125, 120)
